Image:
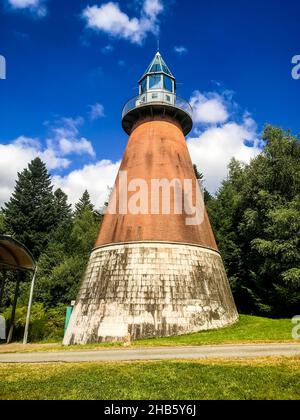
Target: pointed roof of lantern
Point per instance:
(158, 65)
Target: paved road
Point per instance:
(161, 353)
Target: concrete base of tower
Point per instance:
(150, 290)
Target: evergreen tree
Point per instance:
(84, 233)
(64, 219)
(63, 263)
(2, 223)
(83, 204)
(30, 214)
(63, 210)
(200, 177)
(256, 217)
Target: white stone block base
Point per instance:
(150, 290)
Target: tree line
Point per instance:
(255, 216)
(59, 238)
(256, 219)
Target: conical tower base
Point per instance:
(150, 290)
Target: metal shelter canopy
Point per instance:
(14, 255)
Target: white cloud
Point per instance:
(25, 147)
(53, 161)
(109, 18)
(14, 157)
(209, 108)
(96, 112)
(36, 6)
(79, 147)
(96, 178)
(215, 146)
(181, 50)
(221, 134)
(23, 3)
(66, 139)
(63, 143)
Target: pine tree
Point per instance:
(31, 214)
(63, 210)
(84, 204)
(200, 177)
(2, 223)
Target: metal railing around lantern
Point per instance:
(157, 98)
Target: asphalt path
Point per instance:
(157, 353)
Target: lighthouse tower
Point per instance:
(155, 271)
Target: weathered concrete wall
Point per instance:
(150, 290)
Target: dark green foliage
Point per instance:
(200, 177)
(60, 240)
(44, 325)
(30, 213)
(2, 223)
(9, 287)
(84, 232)
(84, 204)
(256, 218)
(63, 210)
(63, 263)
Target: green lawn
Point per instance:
(249, 329)
(175, 380)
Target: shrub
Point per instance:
(45, 325)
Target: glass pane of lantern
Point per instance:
(165, 69)
(168, 84)
(144, 85)
(155, 68)
(155, 82)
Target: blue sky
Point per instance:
(71, 66)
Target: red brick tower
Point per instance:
(155, 269)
